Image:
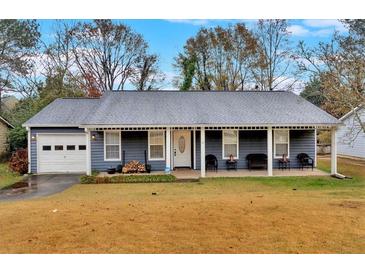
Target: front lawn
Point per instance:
(7, 177)
(246, 215)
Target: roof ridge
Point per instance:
(195, 91)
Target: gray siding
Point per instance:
(256, 142)
(134, 143)
(33, 144)
(301, 141)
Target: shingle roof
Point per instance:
(185, 108)
(64, 112)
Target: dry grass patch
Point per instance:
(249, 215)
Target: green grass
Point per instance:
(215, 215)
(354, 186)
(7, 177)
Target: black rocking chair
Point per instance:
(211, 162)
(305, 160)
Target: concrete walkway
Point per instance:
(39, 186)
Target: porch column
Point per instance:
(194, 148)
(168, 150)
(333, 151)
(269, 151)
(29, 150)
(88, 151)
(315, 147)
(202, 152)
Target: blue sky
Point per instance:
(167, 37)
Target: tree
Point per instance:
(187, 65)
(111, 53)
(341, 66)
(218, 59)
(58, 58)
(313, 92)
(276, 71)
(18, 43)
(57, 86)
(147, 74)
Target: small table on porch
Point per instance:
(284, 164)
(231, 164)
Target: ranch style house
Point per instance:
(169, 130)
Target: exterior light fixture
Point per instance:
(33, 138)
(93, 137)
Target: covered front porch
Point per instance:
(182, 151)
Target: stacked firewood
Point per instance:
(133, 167)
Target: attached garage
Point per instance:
(61, 153)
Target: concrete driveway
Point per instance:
(39, 186)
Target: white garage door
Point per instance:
(61, 153)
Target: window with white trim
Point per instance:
(112, 142)
(230, 144)
(156, 145)
(281, 143)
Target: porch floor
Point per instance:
(190, 174)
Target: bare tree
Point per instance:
(276, 70)
(18, 44)
(340, 66)
(147, 74)
(111, 53)
(57, 56)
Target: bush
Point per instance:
(17, 138)
(127, 179)
(19, 161)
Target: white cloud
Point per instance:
(195, 22)
(325, 24)
(319, 28)
(298, 30)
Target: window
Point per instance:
(82, 147)
(58, 147)
(156, 145)
(71, 147)
(230, 143)
(46, 148)
(281, 143)
(112, 145)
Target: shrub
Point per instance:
(17, 138)
(19, 161)
(86, 179)
(127, 179)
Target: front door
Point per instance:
(182, 148)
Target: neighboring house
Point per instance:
(4, 130)
(350, 136)
(174, 128)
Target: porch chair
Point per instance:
(211, 162)
(305, 160)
